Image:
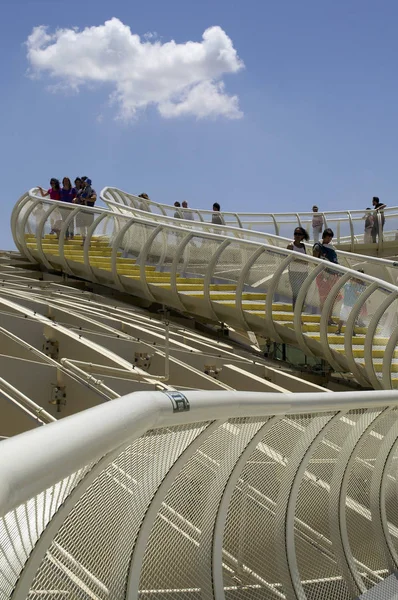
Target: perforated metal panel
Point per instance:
(21, 529)
(110, 513)
(272, 507)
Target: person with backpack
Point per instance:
(325, 280)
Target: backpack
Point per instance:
(326, 252)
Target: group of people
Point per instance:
(374, 221)
(186, 213)
(182, 210)
(298, 273)
(81, 193)
(374, 217)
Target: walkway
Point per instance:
(244, 283)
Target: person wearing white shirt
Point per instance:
(187, 214)
(317, 224)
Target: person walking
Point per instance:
(298, 269)
(326, 279)
(351, 291)
(379, 218)
(317, 224)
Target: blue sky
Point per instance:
(318, 95)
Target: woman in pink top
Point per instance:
(54, 192)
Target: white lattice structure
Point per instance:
(203, 495)
(386, 269)
(170, 492)
(76, 347)
(223, 278)
(347, 225)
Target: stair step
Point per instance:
(194, 286)
(356, 340)
(216, 296)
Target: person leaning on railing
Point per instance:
(326, 279)
(54, 191)
(55, 194)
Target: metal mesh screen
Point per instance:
(390, 506)
(360, 532)
(178, 555)
(321, 573)
(282, 503)
(251, 547)
(108, 516)
(384, 328)
(20, 529)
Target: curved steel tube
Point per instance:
(221, 270)
(88, 471)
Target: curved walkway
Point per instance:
(215, 277)
(347, 225)
(203, 494)
(382, 268)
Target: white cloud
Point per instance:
(179, 79)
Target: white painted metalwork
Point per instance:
(203, 494)
(252, 230)
(347, 225)
(65, 348)
(198, 271)
(179, 493)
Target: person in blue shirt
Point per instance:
(325, 280)
(351, 292)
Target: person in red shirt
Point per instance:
(54, 192)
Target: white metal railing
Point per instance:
(385, 269)
(348, 226)
(181, 257)
(210, 494)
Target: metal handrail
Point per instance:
(257, 219)
(177, 241)
(83, 438)
(242, 215)
(351, 258)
